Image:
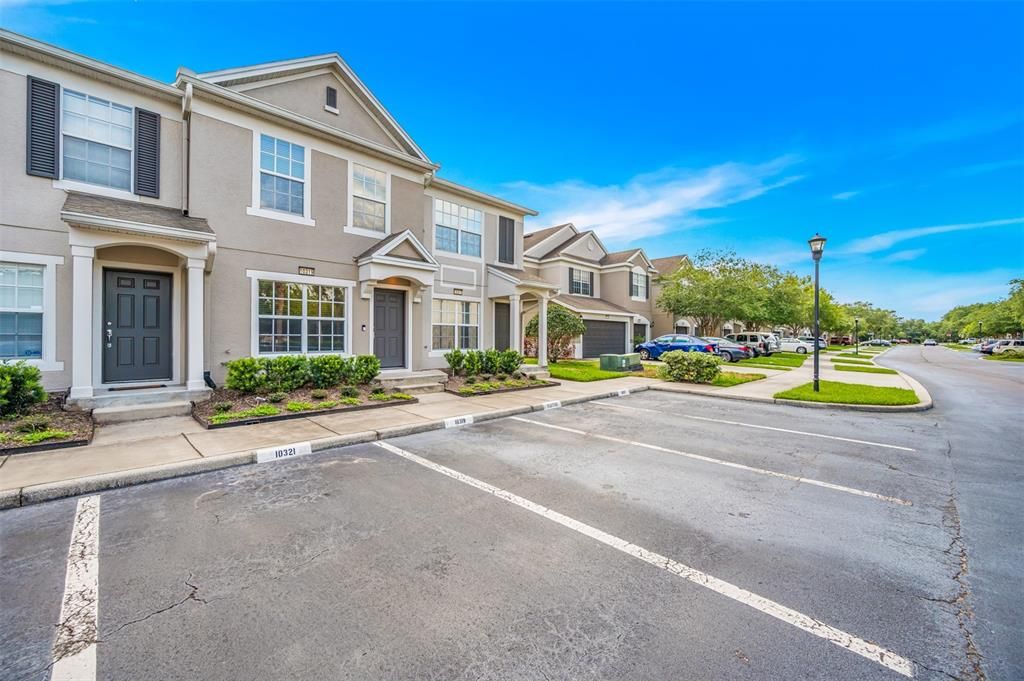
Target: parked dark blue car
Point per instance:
(653, 349)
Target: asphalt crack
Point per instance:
(192, 595)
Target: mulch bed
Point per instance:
(457, 383)
(206, 412)
(77, 424)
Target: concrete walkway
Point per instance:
(142, 451)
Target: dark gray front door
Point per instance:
(389, 327)
(502, 318)
(136, 326)
(603, 338)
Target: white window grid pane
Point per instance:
(21, 287)
(449, 214)
(368, 214)
(282, 158)
(281, 193)
(21, 335)
(300, 318)
(369, 183)
(97, 120)
(446, 239)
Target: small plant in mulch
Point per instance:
(44, 423)
(221, 407)
(318, 393)
(276, 397)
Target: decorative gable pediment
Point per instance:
(300, 86)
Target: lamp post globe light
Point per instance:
(817, 244)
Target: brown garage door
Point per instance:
(602, 338)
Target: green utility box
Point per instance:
(627, 362)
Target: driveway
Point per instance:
(653, 536)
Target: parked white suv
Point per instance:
(1005, 345)
(796, 345)
(761, 342)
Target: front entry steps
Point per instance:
(414, 382)
(535, 371)
(141, 412)
(120, 406)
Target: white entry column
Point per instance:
(82, 340)
(542, 332)
(515, 313)
(194, 360)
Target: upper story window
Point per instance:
(97, 140)
(21, 311)
(369, 198)
(581, 282)
(457, 228)
(331, 99)
(282, 175)
(638, 285)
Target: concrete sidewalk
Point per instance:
(143, 451)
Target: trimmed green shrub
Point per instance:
(222, 407)
(690, 367)
(297, 405)
(327, 371)
(287, 372)
(277, 397)
(21, 386)
(474, 362)
(350, 401)
(33, 424)
(563, 327)
(318, 394)
(350, 391)
(510, 361)
(501, 377)
(246, 374)
(470, 380)
(490, 361)
(456, 361)
(364, 369)
(380, 397)
(328, 404)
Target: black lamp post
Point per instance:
(856, 335)
(979, 330)
(817, 244)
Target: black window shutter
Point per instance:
(591, 283)
(572, 285)
(647, 286)
(506, 240)
(42, 151)
(332, 97)
(147, 153)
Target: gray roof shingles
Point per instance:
(133, 211)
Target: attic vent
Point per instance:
(332, 100)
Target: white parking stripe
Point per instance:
(866, 649)
(720, 462)
(74, 646)
(754, 425)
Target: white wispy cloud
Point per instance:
(885, 240)
(845, 196)
(905, 256)
(654, 203)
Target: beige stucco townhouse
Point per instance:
(150, 231)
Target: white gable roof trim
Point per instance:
(256, 72)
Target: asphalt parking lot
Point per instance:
(653, 536)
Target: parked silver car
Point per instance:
(730, 351)
(761, 342)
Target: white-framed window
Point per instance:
(28, 302)
(282, 176)
(457, 229)
(581, 282)
(455, 324)
(369, 199)
(296, 317)
(638, 285)
(96, 141)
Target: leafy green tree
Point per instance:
(563, 327)
(713, 287)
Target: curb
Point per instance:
(923, 405)
(35, 494)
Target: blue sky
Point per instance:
(896, 130)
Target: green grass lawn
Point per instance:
(584, 370)
(957, 347)
(864, 370)
(779, 359)
(842, 360)
(727, 379)
(754, 365)
(863, 354)
(1003, 358)
(849, 393)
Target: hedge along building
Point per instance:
(152, 231)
